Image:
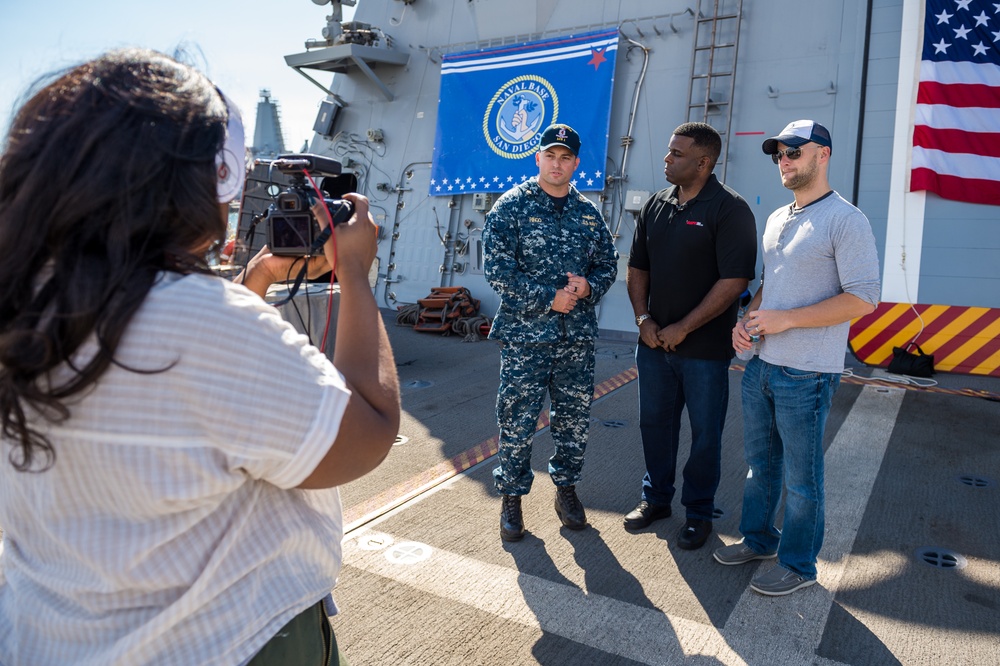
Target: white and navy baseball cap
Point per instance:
(560, 135)
(797, 134)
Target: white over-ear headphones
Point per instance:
(230, 163)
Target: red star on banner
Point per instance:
(598, 57)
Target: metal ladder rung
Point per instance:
(719, 17)
(712, 75)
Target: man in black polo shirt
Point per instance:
(693, 254)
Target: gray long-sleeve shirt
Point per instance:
(812, 254)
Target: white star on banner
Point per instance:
(962, 32)
(482, 179)
(583, 174)
(996, 36)
(437, 189)
(963, 4)
(597, 174)
(979, 49)
(982, 19)
(590, 181)
(510, 178)
(472, 187)
(451, 187)
(496, 178)
(574, 182)
(943, 17)
(941, 47)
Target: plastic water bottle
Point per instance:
(746, 355)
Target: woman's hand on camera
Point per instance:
(356, 240)
(265, 269)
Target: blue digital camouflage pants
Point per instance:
(527, 371)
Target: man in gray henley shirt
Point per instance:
(820, 272)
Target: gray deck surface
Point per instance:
(430, 582)
(911, 477)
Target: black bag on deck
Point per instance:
(916, 365)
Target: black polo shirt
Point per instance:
(687, 249)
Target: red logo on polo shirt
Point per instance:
(694, 223)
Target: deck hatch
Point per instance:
(941, 558)
(975, 481)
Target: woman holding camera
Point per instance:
(171, 447)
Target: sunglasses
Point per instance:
(790, 153)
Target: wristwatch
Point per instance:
(640, 319)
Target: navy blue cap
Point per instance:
(560, 135)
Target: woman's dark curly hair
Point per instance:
(108, 178)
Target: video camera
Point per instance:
(292, 229)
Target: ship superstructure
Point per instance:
(747, 67)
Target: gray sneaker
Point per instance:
(779, 581)
(738, 553)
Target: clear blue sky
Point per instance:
(240, 44)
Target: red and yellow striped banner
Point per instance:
(962, 339)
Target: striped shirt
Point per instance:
(169, 529)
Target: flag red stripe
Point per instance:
(957, 141)
(972, 190)
(959, 95)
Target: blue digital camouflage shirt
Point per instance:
(529, 247)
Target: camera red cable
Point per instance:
(333, 266)
(329, 216)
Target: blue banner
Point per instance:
(494, 104)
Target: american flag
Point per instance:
(956, 133)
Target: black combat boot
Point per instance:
(569, 509)
(511, 522)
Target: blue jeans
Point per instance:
(784, 416)
(668, 382)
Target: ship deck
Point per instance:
(909, 572)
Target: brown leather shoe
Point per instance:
(569, 509)
(511, 521)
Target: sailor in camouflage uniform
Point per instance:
(550, 257)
